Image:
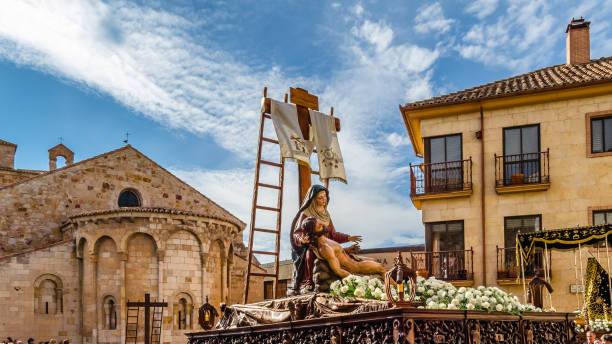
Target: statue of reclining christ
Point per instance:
(341, 263)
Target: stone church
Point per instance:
(78, 242)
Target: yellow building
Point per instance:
(528, 153)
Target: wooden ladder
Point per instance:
(156, 325)
(256, 206)
(131, 324)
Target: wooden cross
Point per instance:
(303, 101)
(147, 305)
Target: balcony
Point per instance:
(508, 272)
(452, 266)
(440, 180)
(522, 172)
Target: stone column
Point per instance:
(223, 285)
(89, 299)
(203, 261)
(160, 273)
(123, 256)
(188, 314)
(230, 265)
(94, 260)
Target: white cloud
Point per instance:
(482, 8)
(396, 140)
(358, 10)
(378, 34)
(520, 39)
(430, 18)
(147, 60)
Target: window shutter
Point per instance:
(607, 134)
(599, 218)
(596, 136)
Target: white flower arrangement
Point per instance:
(365, 287)
(600, 325)
(436, 294)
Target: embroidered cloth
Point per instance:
(596, 291)
(331, 164)
(561, 239)
(291, 141)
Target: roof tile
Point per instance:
(541, 80)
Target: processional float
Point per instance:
(335, 319)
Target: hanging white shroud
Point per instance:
(331, 164)
(290, 139)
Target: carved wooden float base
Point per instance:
(405, 326)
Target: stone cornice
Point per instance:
(140, 212)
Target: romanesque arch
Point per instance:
(108, 281)
(141, 267)
(215, 270)
(183, 311)
(182, 268)
(81, 247)
(48, 295)
(110, 308)
(123, 246)
(166, 235)
(129, 197)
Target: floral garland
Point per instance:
(435, 294)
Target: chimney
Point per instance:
(7, 154)
(578, 46)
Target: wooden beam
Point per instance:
(301, 97)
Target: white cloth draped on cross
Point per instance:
(293, 145)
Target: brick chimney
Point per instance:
(578, 46)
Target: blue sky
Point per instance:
(184, 79)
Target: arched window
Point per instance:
(182, 314)
(110, 313)
(183, 308)
(129, 198)
(48, 295)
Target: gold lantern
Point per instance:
(207, 315)
(405, 279)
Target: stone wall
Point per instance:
(182, 280)
(577, 183)
(256, 284)
(10, 176)
(25, 279)
(108, 287)
(34, 210)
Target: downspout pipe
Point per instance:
(482, 197)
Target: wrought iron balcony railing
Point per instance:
(444, 265)
(507, 267)
(440, 177)
(526, 168)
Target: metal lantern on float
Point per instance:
(206, 315)
(405, 280)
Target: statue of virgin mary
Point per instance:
(314, 205)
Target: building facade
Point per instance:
(78, 242)
(528, 153)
